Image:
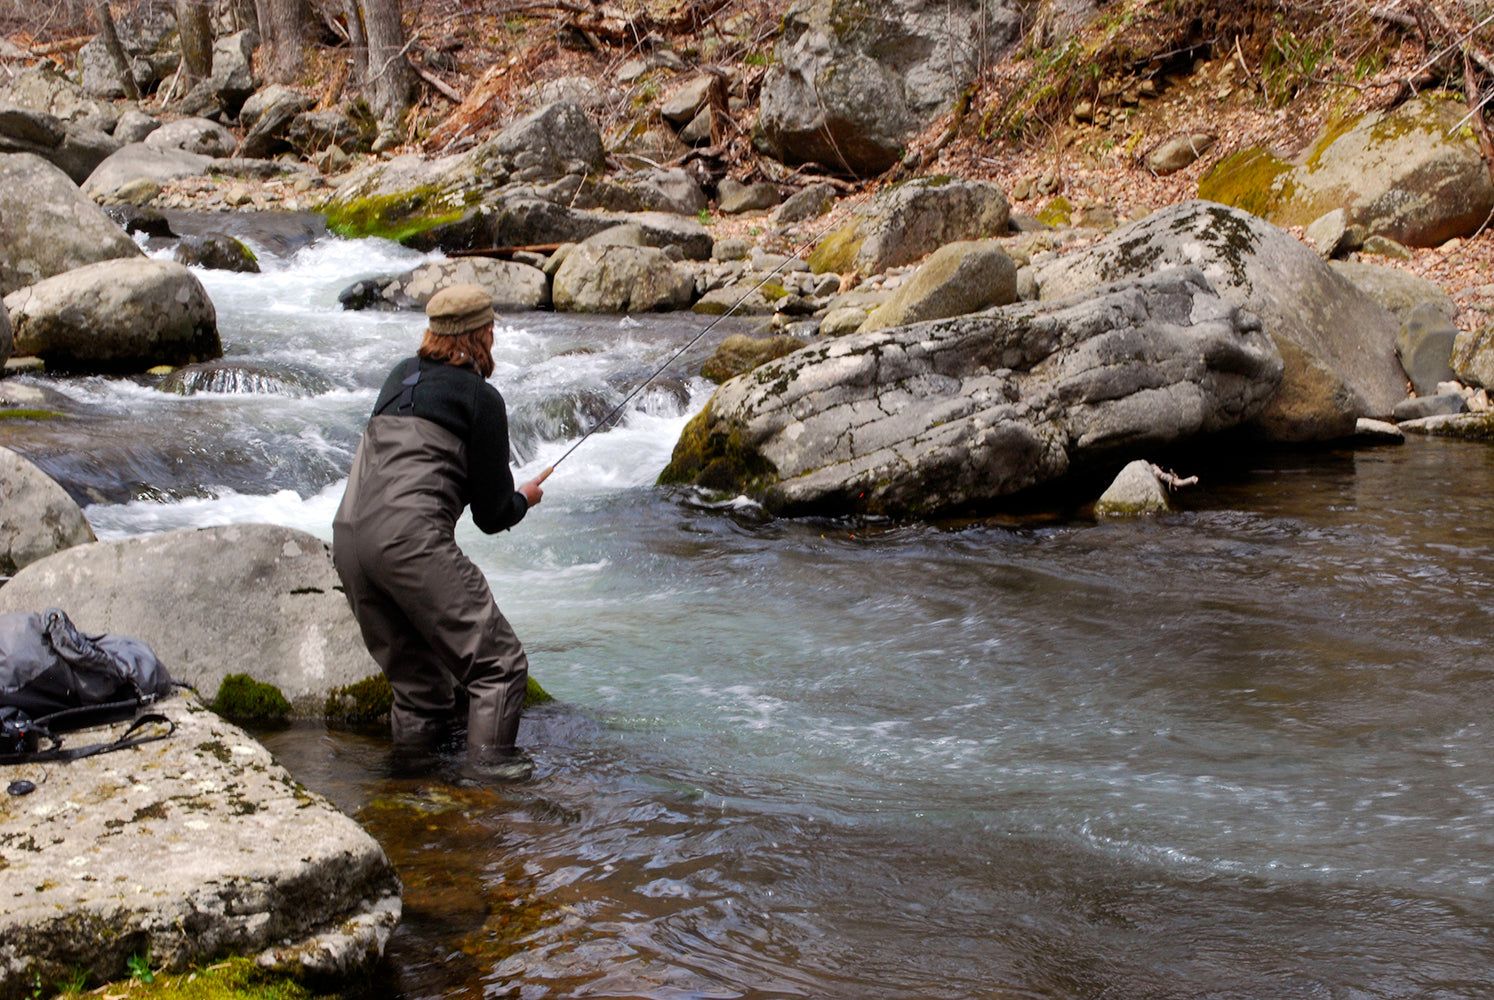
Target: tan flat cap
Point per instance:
(459, 309)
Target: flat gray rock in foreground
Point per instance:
(191, 848)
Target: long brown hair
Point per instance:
(473, 349)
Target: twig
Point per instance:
(441, 86)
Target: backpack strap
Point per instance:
(56, 752)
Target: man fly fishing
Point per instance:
(436, 444)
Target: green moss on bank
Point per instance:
(233, 979)
(241, 697)
(370, 699)
(394, 217)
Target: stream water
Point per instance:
(1242, 750)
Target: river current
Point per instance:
(1241, 750)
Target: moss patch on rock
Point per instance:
(837, 252)
(717, 460)
(241, 697)
(1255, 180)
(396, 217)
(370, 699)
(232, 979)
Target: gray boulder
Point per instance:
(853, 80)
(1137, 489)
(1425, 346)
(660, 189)
(134, 125)
(47, 226)
(1338, 343)
(412, 196)
(1178, 152)
(312, 132)
(960, 278)
(43, 87)
(145, 33)
(76, 147)
(116, 316)
(1412, 174)
(548, 144)
(905, 223)
(1445, 404)
(187, 849)
(7, 338)
(138, 162)
(620, 279)
(252, 599)
(268, 115)
(810, 203)
(735, 198)
(215, 252)
(195, 135)
(37, 517)
(514, 286)
(1398, 290)
(955, 414)
(1473, 356)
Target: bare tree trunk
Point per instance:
(358, 39)
(244, 16)
(282, 26)
(116, 50)
(387, 81)
(194, 27)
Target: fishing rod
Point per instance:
(790, 258)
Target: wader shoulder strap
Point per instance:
(404, 403)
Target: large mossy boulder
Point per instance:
(1413, 174)
(953, 415)
(47, 226)
(905, 223)
(253, 599)
(409, 195)
(853, 80)
(116, 316)
(1338, 343)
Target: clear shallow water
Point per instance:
(1242, 750)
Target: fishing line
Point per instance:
(790, 258)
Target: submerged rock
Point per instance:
(954, 414)
(246, 377)
(188, 849)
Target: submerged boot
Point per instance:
(497, 764)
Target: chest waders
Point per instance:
(425, 610)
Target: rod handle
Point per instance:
(543, 475)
